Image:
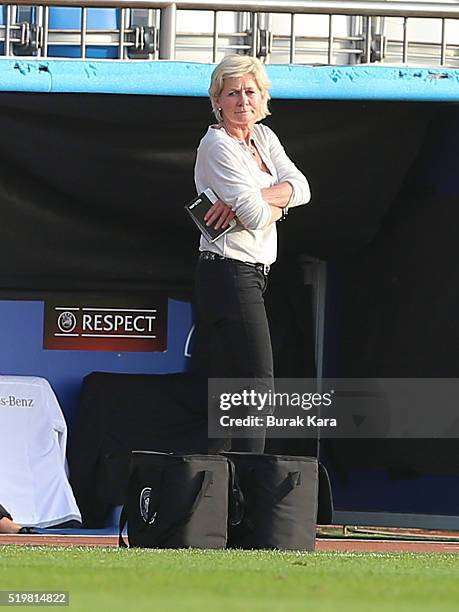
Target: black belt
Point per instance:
(209, 256)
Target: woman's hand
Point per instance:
(219, 216)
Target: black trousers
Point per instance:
(233, 339)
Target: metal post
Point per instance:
(315, 274)
(44, 51)
(9, 9)
(84, 16)
(443, 43)
(292, 38)
(354, 31)
(151, 22)
(167, 32)
(39, 32)
(254, 34)
(368, 40)
(330, 39)
(157, 26)
(122, 40)
(405, 40)
(215, 38)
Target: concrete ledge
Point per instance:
(167, 78)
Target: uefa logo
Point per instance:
(66, 322)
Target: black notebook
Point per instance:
(197, 209)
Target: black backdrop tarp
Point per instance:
(92, 186)
(91, 195)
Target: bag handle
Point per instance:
(162, 535)
(292, 480)
(207, 480)
(236, 501)
(325, 497)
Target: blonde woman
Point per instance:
(243, 162)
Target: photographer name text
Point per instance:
(272, 421)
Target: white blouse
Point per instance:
(225, 165)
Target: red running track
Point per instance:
(328, 544)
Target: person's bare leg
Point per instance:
(9, 526)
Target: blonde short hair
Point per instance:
(236, 66)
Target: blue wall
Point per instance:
(22, 353)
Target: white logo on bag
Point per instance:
(145, 504)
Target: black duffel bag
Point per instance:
(176, 501)
(277, 500)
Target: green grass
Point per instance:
(187, 580)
